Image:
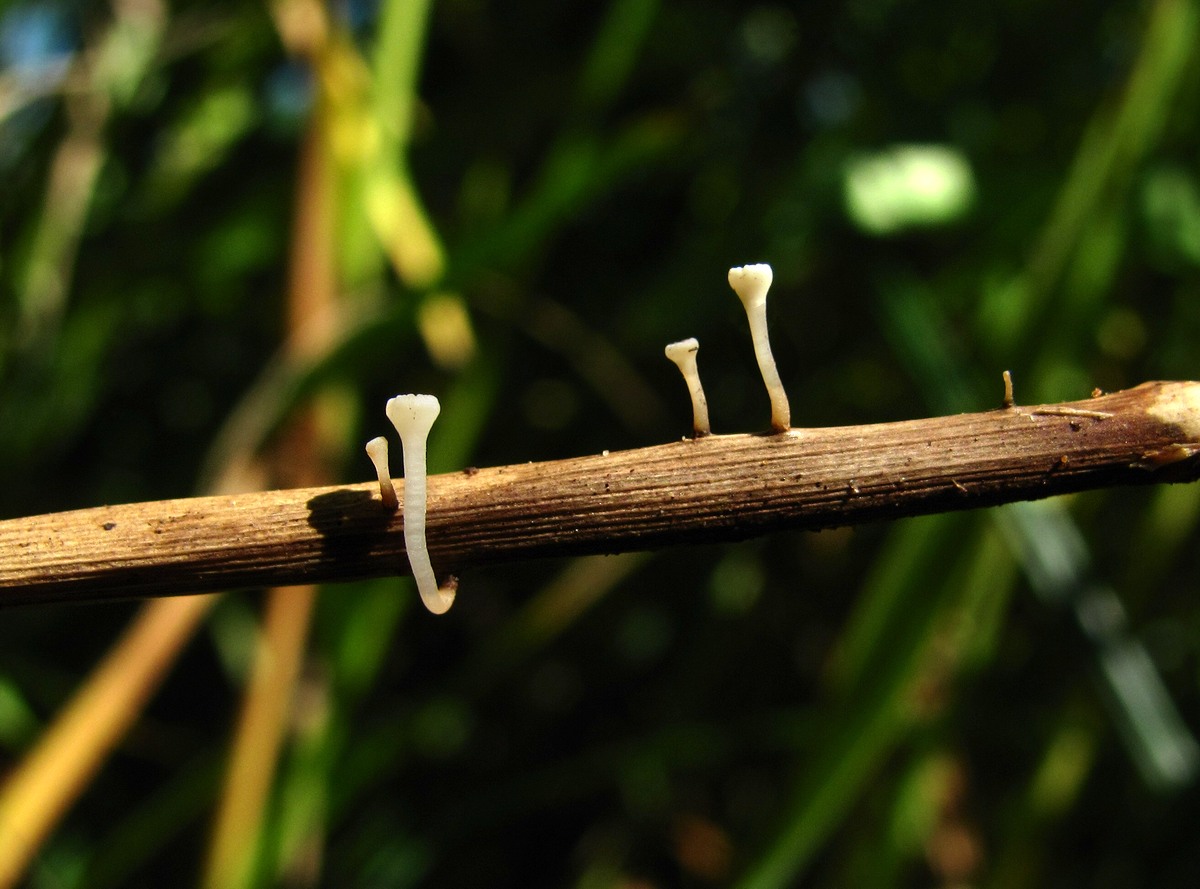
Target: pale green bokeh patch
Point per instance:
(907, 186)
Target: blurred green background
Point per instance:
(515, 207)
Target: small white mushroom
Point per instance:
(413, 417)
(1008, 390)
(683, 354)
(377, 450)
(750, 283)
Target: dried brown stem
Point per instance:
(723, 487)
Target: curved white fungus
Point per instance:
(377, 450)
(683, 355)
(413, 417)
(751, 283)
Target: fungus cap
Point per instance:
(683, 352)
(413, 415)
(751, 283)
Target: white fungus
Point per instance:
(751, 283)
(377, 450)
(683, 354)
(413, 417)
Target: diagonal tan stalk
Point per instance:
(278, 658)
(67, 755)
(283, 636)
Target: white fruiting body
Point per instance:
(413, 417)
(377, 450)
(683, 355)
(751, 283)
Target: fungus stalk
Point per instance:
(750, 283)
(413, 417)
(683, 354)
(377, 450)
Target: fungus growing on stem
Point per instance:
(683, 354)
(413, 417)
(750, 283)
(1008, 390)
(377, 450)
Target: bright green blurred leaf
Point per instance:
(907, 186)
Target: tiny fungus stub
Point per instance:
(377, 450)
(683, 355)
